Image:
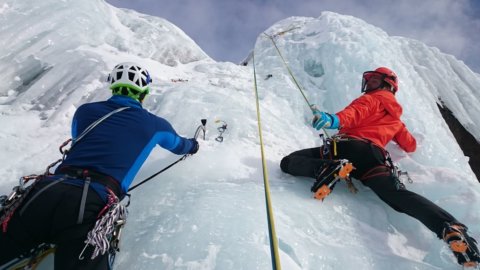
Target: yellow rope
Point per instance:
(271, 224)
(290, 72)
(310, 105)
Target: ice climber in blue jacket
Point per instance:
(62, 208)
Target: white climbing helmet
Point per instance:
(130, 79)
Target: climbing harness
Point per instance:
(271, 224)
(329, 151)
(398, 174)
(221, 129)
(10, 203)
(106, 234)
(391, 169)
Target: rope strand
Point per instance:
(310, 105)
(101, 235)
(271, 224)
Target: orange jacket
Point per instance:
(376, 116)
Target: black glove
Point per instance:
(195, 146)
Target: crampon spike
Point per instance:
(345, 170)
(471, 264)
(322, 192)
(463, 246)
(458, 246)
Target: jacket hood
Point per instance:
(388, 101)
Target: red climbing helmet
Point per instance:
(377, 79)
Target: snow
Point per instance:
(208, 212)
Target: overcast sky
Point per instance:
(227, 29)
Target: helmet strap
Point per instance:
(142, 97)
(384, 86)
(388, 86)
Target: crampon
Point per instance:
(329, 175)
(462, 245)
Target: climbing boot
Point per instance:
(330, 174)
(462, 245)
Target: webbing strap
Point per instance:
(94, 124)
(270, 219)
(38, 193)
(83, 201)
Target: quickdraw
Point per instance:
(399, 175)
(221, 129)
(325, 147)
(105, 235)
(8, 204)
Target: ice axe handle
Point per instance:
(201, 128)
(314, 108)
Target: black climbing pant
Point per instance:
(369, 161)
(51, 217)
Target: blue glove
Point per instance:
(324, 120)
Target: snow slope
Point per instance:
(208, 211)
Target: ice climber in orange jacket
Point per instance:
(365, 127)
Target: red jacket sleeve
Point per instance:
(405, 140)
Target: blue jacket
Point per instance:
(119, 145)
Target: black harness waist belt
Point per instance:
(95, 177)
